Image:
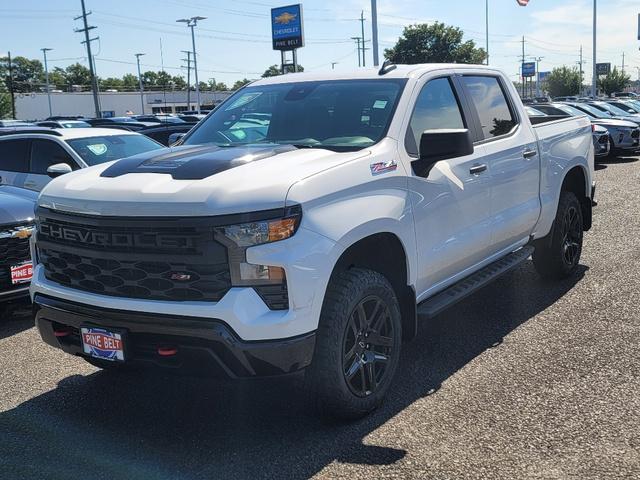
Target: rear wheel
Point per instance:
(357, 346)
(557, 257)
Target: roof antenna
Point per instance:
(387, 67)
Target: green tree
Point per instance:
(78, 74)
(564, 81)
(614, 81)
(164, 79)
(58, 78)
(129, 81)
(179, 82)
(240, 83)
(149, 79)
(5, 101)
(274, 70)
(434, 43)
(221, 87)
(28, 75)
(111, 83)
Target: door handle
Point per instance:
(476, 169)
(529, 153)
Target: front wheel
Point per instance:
(357, 346)
(557, 257)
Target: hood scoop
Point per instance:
(194, 163)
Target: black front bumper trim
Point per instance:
(204, 345)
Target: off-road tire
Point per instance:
(326, 380)
(557, 257)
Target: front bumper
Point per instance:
(203, 345)
(14, 294)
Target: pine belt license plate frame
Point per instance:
(104, 343)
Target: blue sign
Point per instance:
(529, 69)
(544, 75)
(287, 29)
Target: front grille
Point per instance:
(604, 139)
(635, 133)
(154, 259)
(13, 251)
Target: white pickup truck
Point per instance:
(307, 224)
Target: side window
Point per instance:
(45, 153)
(496, 118)
(13, 155)
(436, 108)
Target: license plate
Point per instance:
(21, 273)
(102, 343)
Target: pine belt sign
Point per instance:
(603, 68)
(287, 29)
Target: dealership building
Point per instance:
(35, 106)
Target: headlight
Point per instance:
(241, 236)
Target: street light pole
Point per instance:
(46, 74)
(486, 19)
(138, 55)
(594, 80)
(374, 31)
(192, 23)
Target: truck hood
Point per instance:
(199, 180)
(612, 122)
(16, 205)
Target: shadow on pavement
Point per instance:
(139, 426)
(15, 317)
(617, 159)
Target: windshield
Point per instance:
(78, 124)
(618, 112)
(570, 110)
(594, 112)
(95, 150)
(339, 115)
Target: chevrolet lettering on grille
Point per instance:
(114, 239)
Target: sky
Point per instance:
(234, 41)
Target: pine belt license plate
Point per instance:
(103, 343)
(21, 273)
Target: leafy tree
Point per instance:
(203, 86)
(221, 87)
(129, 81)
(179, 82)
(614, 81)
(564, 81)
(5, 101)
(163, 79)
(240, 83)
(149, 79)
(434, 43)
(78, 74)
(58, 78)
(27, 74)
(274, 70)
(111, 83)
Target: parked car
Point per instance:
(624, 135)
(571, 98)
(601, 140)
(121, 123)
(626, 95)
(616, 112)
(64, 124)
(30, 157)
(626, 104)
(14, 123)
(195, 118)
(368, 200)
(165, 133)
(158, 118)
(16, 226)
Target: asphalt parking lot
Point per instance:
(526, 379)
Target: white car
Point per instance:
(30, 157)
(304, 224)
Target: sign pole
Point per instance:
(594, 81)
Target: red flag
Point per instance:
(523, 3)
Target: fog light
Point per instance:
(257, 274)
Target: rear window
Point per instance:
(96, 150)
(496, 118)
(45, 153)
(14, 155)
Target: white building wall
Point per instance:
(34, 106)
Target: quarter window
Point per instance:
(496, 118)
(436, 108)
(13, 155)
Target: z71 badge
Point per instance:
(383, 167)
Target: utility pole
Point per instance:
(192, 23)
(87, 40)
(138, 55)
(594, 79)
(374, 31)
(357, 39)
(364, 63)
(538, 60)
(522, 69)
(333, 65)
(46, 75)
(623, 63)
(188, 60)
(581, 63)
(486, 19)
(13, 100)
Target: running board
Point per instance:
(465, 287)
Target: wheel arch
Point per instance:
(576, 181)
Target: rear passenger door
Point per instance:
(510, 149)
(45, 153)
(14, 161)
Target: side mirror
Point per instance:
(58, 169)
(436, 145)
(175, 137)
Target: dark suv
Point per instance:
(16, 227)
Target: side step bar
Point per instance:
(465, 287)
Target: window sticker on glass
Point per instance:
(243, 100)
(98, 148)
(381, 104)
